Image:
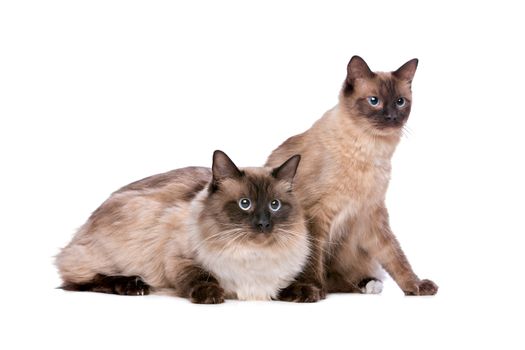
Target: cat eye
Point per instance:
(275, 205)
(400, 102)
(373, 100)
(245, 203)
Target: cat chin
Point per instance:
(261, 240)
(370, 128)
(257, 240)
(385, 130)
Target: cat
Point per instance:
(341, 185)
(206, 235)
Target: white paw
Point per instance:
(373, 287)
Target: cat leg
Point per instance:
(382, 245)
(309, 286)
(352, 270)
(344, 283)
(83, 267)
(337, 282)
(121, 285)
(193, 282)
(365, 272)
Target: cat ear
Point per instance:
(358, 69)
(287, 170)
(407, 71)
(223, 167)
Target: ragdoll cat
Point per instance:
(205, 235)
(341, 185)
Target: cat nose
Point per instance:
(263, 224)
(391, 117)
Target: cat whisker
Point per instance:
(219, 237)
(228, 245)
(406, 131)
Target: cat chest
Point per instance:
(361, 185)
(253, 277)
(354, 195)
(253, 280)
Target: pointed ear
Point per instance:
(287, 170)
(407, 71)
(358, 69)
(223, 167)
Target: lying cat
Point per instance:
(205, 235)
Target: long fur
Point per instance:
(168, 228)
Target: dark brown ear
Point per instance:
(407, 71)
(288, 169)
(223, 167)
(358, 69)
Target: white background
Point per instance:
(96, 94)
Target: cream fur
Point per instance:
(341, 184)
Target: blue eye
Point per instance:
(275, 205)
(400, 102)
(373, 100)
(245, 203)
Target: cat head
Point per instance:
(379, 102)
(251, 205)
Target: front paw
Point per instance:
(427, 287)
(422, 287)
(207, 293)
(302, 293)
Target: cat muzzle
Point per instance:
(263, 224)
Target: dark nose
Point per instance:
(263, 224)
(391, 118)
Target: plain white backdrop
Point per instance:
(94, 95)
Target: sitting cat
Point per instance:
(342, 185)
(205, 234)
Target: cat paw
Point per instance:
(427, 287)
(302, 293)
(422, 287)
(370, 286)
(207, 293)
(132, 285)
(121, 285)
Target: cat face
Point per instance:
(377, 100)
(252, 205)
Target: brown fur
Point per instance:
(197, 284)
(342, 182)
(172, 231)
